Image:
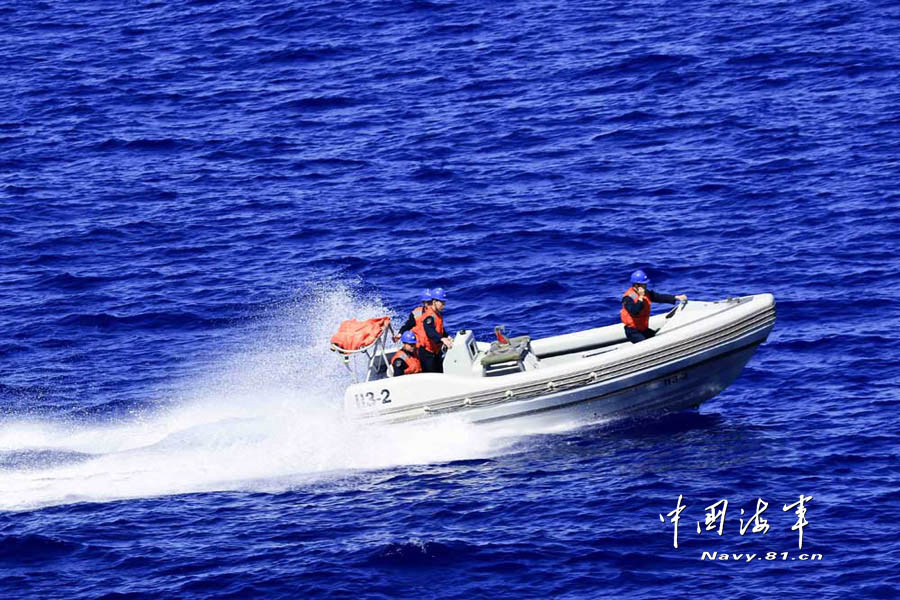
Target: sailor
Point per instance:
(430, 332)
(636, 304)
(414, 314)
(404, 361)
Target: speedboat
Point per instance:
(587, 376)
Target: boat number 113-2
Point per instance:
(369, 399)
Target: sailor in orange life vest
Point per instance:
(414, 314)
(404, 361)
(430, 332)
(636, 307)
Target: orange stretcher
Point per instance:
(353, 335)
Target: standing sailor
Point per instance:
(430, 332)
(414, 314)
(636, 304)
(405, 361)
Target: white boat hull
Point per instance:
(694, 357)
(669, 391)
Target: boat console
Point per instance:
(480, 359)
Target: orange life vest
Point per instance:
(425, 341)
(642, 320)
(412, 361)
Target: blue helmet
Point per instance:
(409, 337)
(640, 277)
(438, 294)
(426, 296)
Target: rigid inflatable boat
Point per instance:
(594, 375)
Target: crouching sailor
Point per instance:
(405, 361)
(636, 304)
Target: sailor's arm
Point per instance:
(438, 337)
(410, 323)
(633, 308)
(399, 366)
(665, 298)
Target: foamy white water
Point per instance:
(268, 418)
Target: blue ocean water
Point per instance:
(193, 195)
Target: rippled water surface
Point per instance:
(193, 195)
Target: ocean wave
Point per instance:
(34, 548)
(319, 103)
(420, 553)
(149, 321)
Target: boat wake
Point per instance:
(267, 418)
